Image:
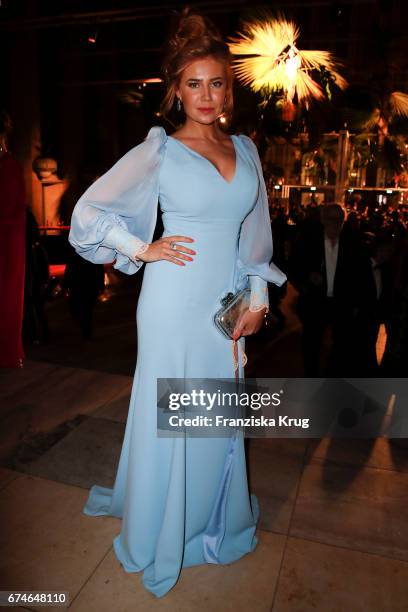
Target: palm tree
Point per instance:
(273, 64)
(388, 107)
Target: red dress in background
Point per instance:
(12, 260)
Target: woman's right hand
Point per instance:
(161, 249)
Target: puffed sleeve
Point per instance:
(116, 216)
(255, 246)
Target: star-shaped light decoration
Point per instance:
(273, 63)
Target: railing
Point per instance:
(286, 194)
(341, 161)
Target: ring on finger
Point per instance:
(173, 245)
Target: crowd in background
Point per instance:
(369, 284)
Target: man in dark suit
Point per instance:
(333, 276)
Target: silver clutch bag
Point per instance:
(233, 306)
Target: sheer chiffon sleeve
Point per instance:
(114, 220)
(255, 247)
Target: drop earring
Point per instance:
(178, 104)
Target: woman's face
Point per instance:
(202, 89)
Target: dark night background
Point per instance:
(81, 103)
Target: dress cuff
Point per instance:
(126, 243)
(259, 294)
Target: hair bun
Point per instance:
(192, 26)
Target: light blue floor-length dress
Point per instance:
(183, 501)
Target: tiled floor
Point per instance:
(246, 585)
(353, 507)
(39, 401)
(316, 576)
(333, 534)
(89, 454)
(49, 544)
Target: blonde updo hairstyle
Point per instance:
(193, 37)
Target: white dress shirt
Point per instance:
(330, 252)
(377, 277)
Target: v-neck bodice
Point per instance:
(191, 189)
(194, 152)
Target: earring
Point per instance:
(178, 104)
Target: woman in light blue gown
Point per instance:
(183, 500)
